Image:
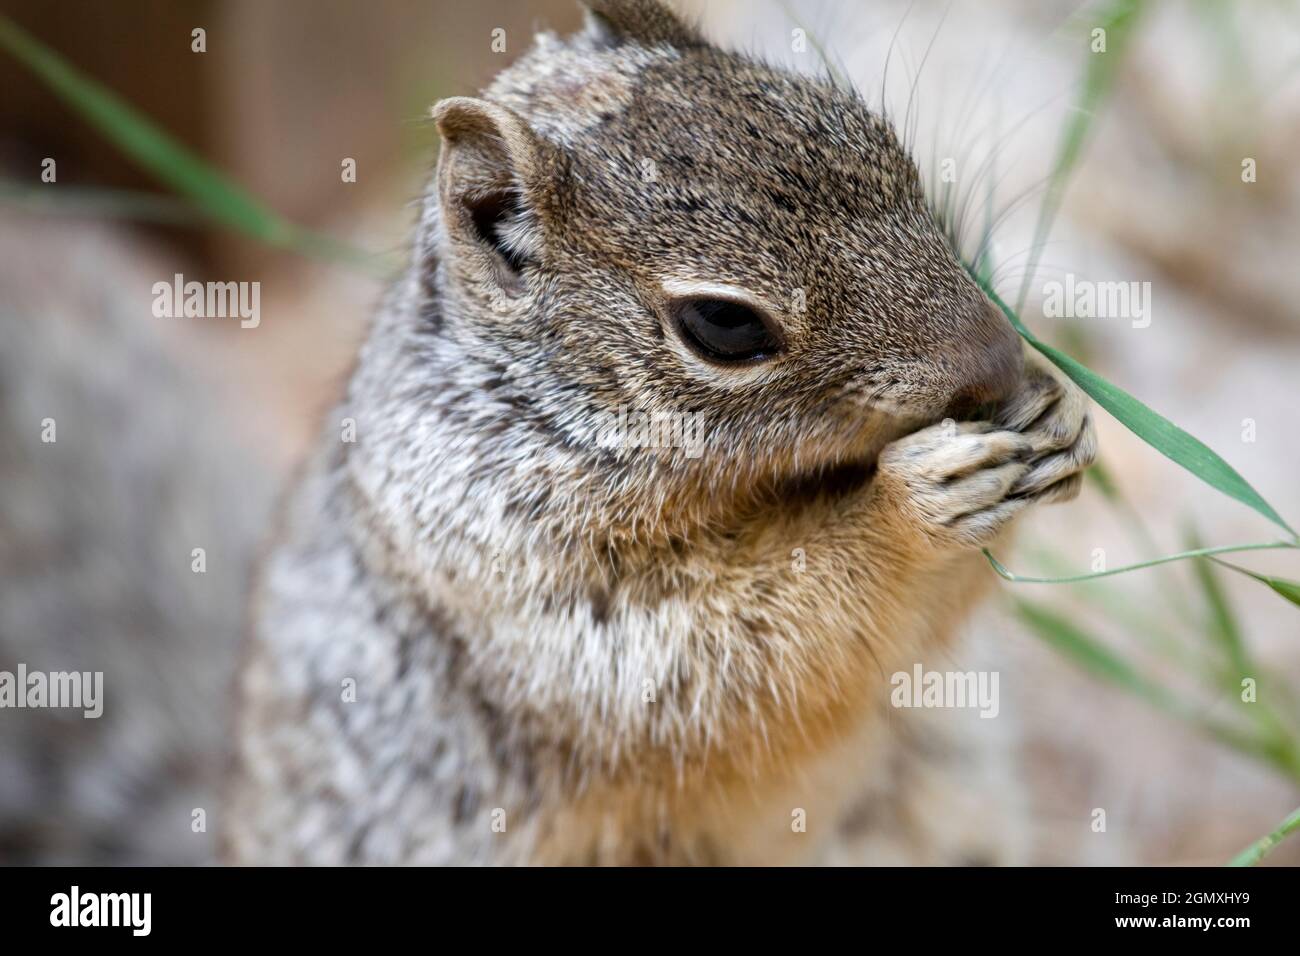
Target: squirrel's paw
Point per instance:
(1053, 414)
(953, 481)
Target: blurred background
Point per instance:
(187, 428)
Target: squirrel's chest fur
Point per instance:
(732, 708)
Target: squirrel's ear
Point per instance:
(647, 22)
(492, 176)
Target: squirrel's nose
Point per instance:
(991, 362)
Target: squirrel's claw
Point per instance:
(952, 481)
(1060, 431)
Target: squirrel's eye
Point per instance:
(724, 331)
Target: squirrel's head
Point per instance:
(633, 219)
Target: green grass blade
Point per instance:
(1225, 629)
(1135, 524)
(1288, 589)
(100, 203)
(216, 196)
(1090, 654)
(1011, 576)
(143, 141)
(1284, 586)
(1224, 626)
(1154, 429)
(1140, 618)
(1118, 18)
(1265, 844)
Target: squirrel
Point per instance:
(486, 635)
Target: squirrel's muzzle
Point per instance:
(989, 361)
